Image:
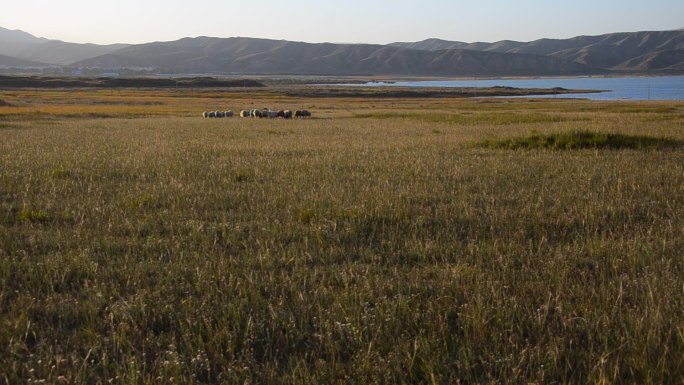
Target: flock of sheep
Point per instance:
(265, 113)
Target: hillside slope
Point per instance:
(13, 62)
(617, 51)
(63, 53)
(262, 56)
(23, 45)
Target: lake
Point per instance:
(621, 88)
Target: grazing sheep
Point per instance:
(228, 114)
(302, 114)
(205, 114)
(245, 114)
(212, 114)
(218, 114)
(272, 114)
(257, 114)
(287, 114)
(281, 114)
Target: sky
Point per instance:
(348, 21)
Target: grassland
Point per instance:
(373, 244)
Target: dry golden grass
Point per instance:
(371, 244)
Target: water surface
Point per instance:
(621, 88)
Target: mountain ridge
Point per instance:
(25, 46)
(624, 52)
(12, 62)
(281, 57)
(614, 51)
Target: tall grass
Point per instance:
(170, 250)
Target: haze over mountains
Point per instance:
(638, 52)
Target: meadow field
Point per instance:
(383, 241)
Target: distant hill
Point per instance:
(642, 52)
(23, 45)
(615, 51)
(13, 41)
(59, 52)
(262, 56)
(672, 60)
(433, 45)
(16, 36)
(12, 62)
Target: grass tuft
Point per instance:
(307, 215)
(143, 201)
(241, 176)
(583, 140)
(28, 214)
(61, 173)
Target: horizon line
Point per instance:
(333, 42)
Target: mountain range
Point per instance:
(13, 62)
(635, 52)
(261, 56)
(23, 45)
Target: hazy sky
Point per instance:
(357, 21)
